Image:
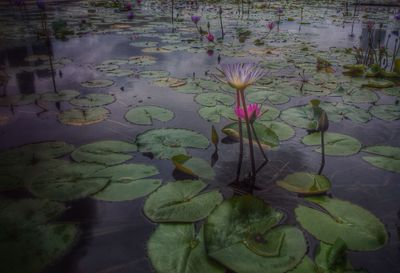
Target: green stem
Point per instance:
(239, 166)
(322, 153)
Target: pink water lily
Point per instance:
(130, 15)
(210, 37)
(253, 110)
(271, 26)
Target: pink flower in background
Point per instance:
(271, 26)
(210, 37)
(128, 6)
(253, 110)
(130, 15)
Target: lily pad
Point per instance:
(386, 112)
(97, 83)
(214, 113)
(357, 227)
(282, 130)
(214, 98)
(193, 166)
(63, 95)
(388, 158)
(142, 60)
(266, 136)
(305, 183)
(144, 115)
(263, 96)
(169, 82)
(244, 227)
(93, 100)
(108, 152)
(176, 248)
(153, 74)
(181, 201)
(335, 144)
(78, 117)
(165, 143)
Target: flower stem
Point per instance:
(239, 166)
(322, 153)
(249, 136)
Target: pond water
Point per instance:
(113, 236)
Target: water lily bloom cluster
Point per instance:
(253, 110)
(240, 76)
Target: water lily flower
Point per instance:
(130, 15)
(128, 6)
(240, 76)
(139, 1)
(397, 16)
(40, 4)
(253, 110)
(271, 26)
(279, 10)
(196, 19)
(210, 37)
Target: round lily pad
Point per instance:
(108, 152)
(181, 201)
(386, 112)
(176, 248)
(97, 83)
(305, 183)
(119, 73)
(63, 95)
(169, 82)
(268, 113)
(282, 130)
(357, 227)
(263, 96)
(93, 100)
(153, 74)
(142, 60)
(78, 117)
(144, 115)
(165, 143)
(125, 173)
(387, 157)
(244, 227)
(214, 113)
(214, 98)
(335, 144)
(193, 166)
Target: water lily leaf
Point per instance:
(165, 143)
(214, 113)
(80, 117)
(181, 201)
(357, 227)
(93, 100)
(142, 60)
(193, 166)
(115, 62)
(268, 114)
(144, 115)
(63, 95)
(67, 182)
(125, 173)
(393, 91)
(306, 266)
(153, 74)
(191, 87)
(119, 73)
(169, 82)
(97, 83)
(214, 98)
(355, 95)
(388, 157)
(263, 96)
(386, 112)
(243, 227)
(305, 183)
(381, 83)
(335, 144)
(266, 136)
(18, 100)
(176, 248)
(282, 130)
(108, 152)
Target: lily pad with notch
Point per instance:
(93, 100)
(335, 144)
(305, 183)
(194, 166)
(385, 157)
(79, 117)
(144, 115)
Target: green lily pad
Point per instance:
(176, 248)
(393, 91)
(305, 183)
(357, 227)
(244, 227)
(214, 98)
(388, 158)
(169, 82)
(93, 100)
(386, 112)
(214, 113)
(142, 60)
(282, 130)
(144, 115)
(263, 96)
(18, 100)
(266, 136)
(79, 117)
(97, 83)
(193, 166)
(153, 74)
(119, 73)
(181, 201)
(125, 173)
(306, 266)
(108, 152)
(268, 114)
(63, 95)
(191, 87)
(335, 144)
(165, 143)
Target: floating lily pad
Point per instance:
(153, 74)
(80, 117)
(214, 113)
(335, 144)
(386, 112)
(107, 152)
(176, 248)
(63, 95)
(263, 96)
(181, 201)
(18, 100)
(244, 227)
(169, 82)
(191, 87)
(165, 143)
(125, 173)
(97, 83)
(282, 130)
(142, 60)
(357, 227)
(393, 91)
(305, 183)
(302, 117)
(93, 100)
(119, 73)
(388, 158)
(144, 115)
(266, 136)
(355, 95)
(268, 113)
(214, 98)
(193, 166)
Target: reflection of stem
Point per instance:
(322, 153)
(253, 165)
(239, 167)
